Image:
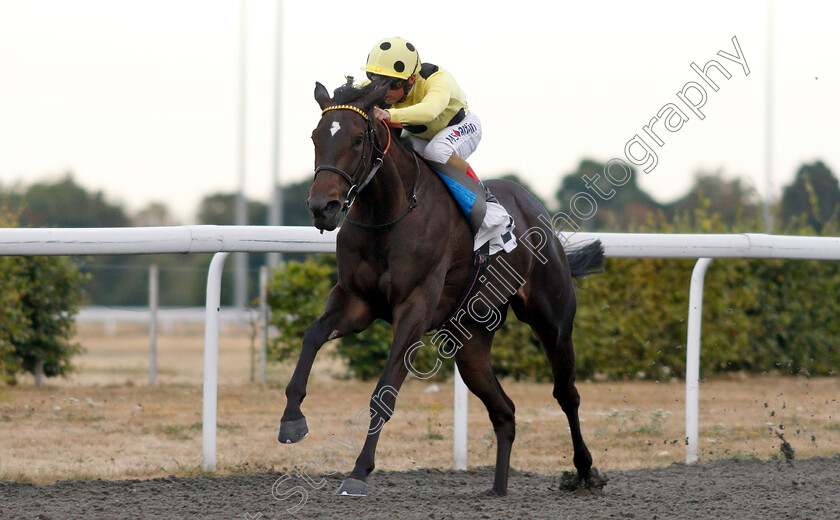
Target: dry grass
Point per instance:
(106, 422)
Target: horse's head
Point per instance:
(346, 148)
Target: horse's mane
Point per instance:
(347, 93)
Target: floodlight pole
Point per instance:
(241, 264)
(275, 215)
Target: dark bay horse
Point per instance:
(405, 254)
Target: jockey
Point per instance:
(436, 119)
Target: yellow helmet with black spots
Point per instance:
(393, 57)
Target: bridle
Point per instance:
(355, 187)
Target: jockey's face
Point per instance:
(397, 94)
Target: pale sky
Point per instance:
(139, 99)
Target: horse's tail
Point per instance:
(586, 259)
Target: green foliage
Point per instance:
(66, 204)
(799, 319)
(297, 292)
(615, 207)
(734, 201)
(758, 315)
(220, 209)
(295, 210)
(123, 280)
(11, 317)
(631, 319)
(367, 352)
(814, 195)
(518, 354)
(39, 296)
(50, 295)
(512, 177)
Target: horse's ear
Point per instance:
(375, 97)
(322, 96)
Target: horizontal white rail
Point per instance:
(110, 316)
(287, 239)
(298, 239)
(745, 245)
(160, 240)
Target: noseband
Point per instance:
(356, 188)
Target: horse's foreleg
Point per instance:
(344, 314)
(407, 331)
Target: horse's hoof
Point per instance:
(293, 431)
(353, 488)
(493, 492)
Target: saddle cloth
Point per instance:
(488, 219)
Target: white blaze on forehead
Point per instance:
(334, 128)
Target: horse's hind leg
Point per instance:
(473, 361)
(344, 314)
(551, 316)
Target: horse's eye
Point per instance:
(358, 141)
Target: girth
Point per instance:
(481, 259)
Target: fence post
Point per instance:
(211, 360)
(692, 359)
(153, 311)
(263, 321)
(39, 372)
(460, 422)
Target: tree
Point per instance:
(39, 297)
(295, 211)
(616, 208)
(154, 214)
(11, 322)
(732, 200)
(50, 296)
(518, 180)
(814, 194)
(296, 295)
(220, 209)
(66, 204)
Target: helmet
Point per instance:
(393, 57)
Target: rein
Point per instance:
(356, 188)
(411, 205)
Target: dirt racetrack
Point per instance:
(720, 489)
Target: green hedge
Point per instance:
(39, 296)
(297, 294)
(758, 315)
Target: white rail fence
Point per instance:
(224, 240)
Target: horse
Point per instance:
(405, 254)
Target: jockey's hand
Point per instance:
(381, 115)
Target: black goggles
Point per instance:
(396, 83)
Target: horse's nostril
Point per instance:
(323, 208)
(332, 208)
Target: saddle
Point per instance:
(471, 195)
